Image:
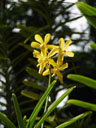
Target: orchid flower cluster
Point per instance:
(46, 53)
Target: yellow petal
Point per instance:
(41, 68)
(38, 65)
(49, 46)
(63, 66)
(35, 45)
(67, 44)
(60, 59)
(53, 70)
(52, 62)
(38, 38)
(36, 54)
(69, 53)
(46, 72)
(61, 43)
(60, 76)
(43, 49)
(53, 52)
(40, 59)
(47, 38)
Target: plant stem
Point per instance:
(47, 99)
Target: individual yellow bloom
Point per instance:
(56, 71)
(61, 50)
(64, 46)
(39, 41)
(43, 58)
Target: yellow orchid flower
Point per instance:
(56, 70)
(61, 50)
(39, 41)
(64, 46)
(43, 58)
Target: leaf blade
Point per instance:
(8, 122)
(53, 106)
(82, 104)
(30, 94)
(88, 11)
(73, 120)
(18, 112)
(39, 105)
(83, 79)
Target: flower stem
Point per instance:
(47, 99)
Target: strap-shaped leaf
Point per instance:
(25, 102)
(34, 85)
(25, 121)
(83, 104)
(6, 121)
(39, 105)
(53, 106)
(93, 45)
(83, 79)
(36, 75)
(88, 11)
(29, 48)
(3, 58)
(73, 120)
(18, 112)
(2, 104)
(30, 94)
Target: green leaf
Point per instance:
(18, 112)
(32, 61)
(6, 121)
(2, 104)
(28, 47)
(24, 110)
(88, 11)
(19, 58)
(82, 104)
(53, 106)
(30, 31)
(83, 79)
(69, 20)
(36, 75)
(33, 85)
(25, 102)
(3, 58)
(2, 88)
(25, 121)
(39, 105)
(73, 120)
(30, 94)
(93, 46)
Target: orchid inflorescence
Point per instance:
(48, 52)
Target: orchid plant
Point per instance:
(45, 56)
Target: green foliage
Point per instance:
(22, 122)
(88, 11)
(83, 104)
(30, 94)
(39, 105)
(75, 119)
(83, 79)
(18, 112)
(53, 106)
(93, 46)
(6, 121)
